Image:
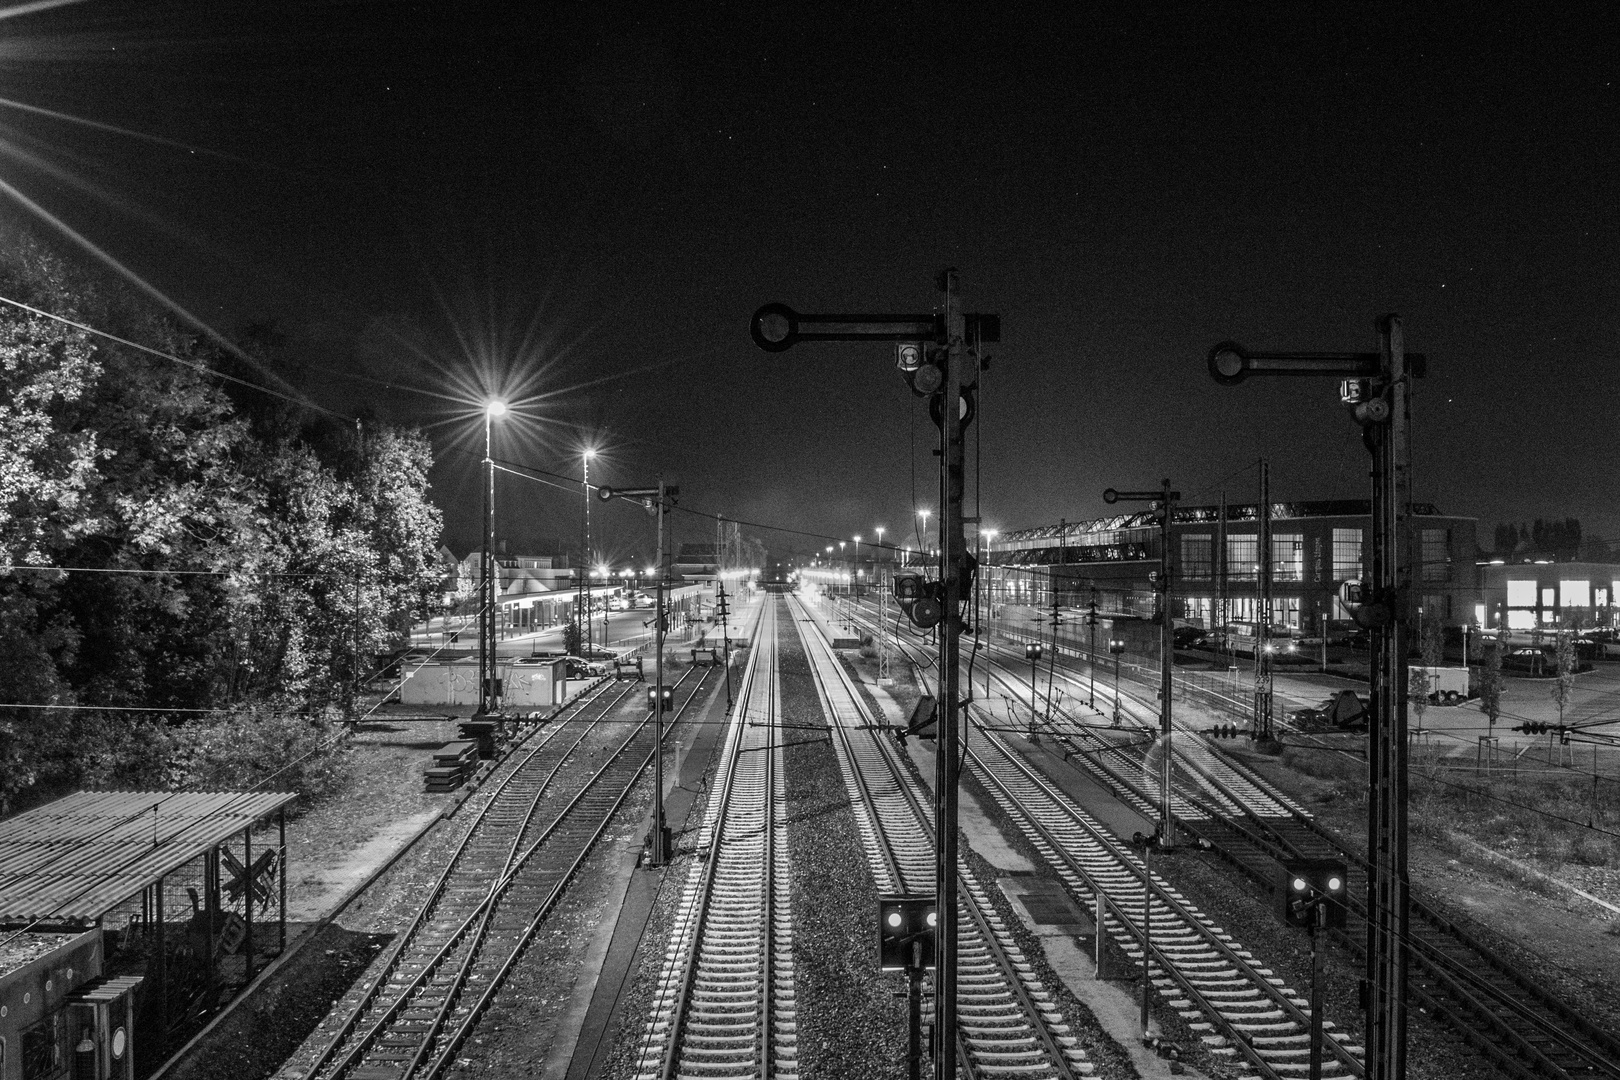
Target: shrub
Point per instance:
(261, 745)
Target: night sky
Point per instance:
(580, 206)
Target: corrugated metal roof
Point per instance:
(74, 859)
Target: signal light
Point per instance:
(652, 697)
(1032, 652)
(908, 356)
(1315, 893)
(906, 925)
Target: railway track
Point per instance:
(1008, 1023)
(1526, 1030)
(724, 1003)
(1523, 1028)
(500, 882)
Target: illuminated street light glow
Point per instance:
(494, 408)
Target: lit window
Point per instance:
(1549, 600)
(1479, 614)
(1197, 557)
(1575, 593)
(1521, 619)
(1288, 557)
(1242, 553)
(1346, 554)
(1521, 593)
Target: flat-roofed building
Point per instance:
(1215, 564)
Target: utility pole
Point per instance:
(1051, 664)
(947, 378)
(1262, 648)
(1375, 387)
(1163, 500)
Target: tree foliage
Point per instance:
(219, 553)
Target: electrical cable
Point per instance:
(192, 364)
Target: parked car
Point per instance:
(580, 668)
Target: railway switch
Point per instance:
(1314, 892)
(906, 924)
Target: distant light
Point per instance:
(495, 408)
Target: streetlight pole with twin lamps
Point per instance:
(489, 690)
(583, 621)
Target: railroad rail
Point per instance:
(1009, 1025)
(1525, 1029)
(1238, 1006)
(724, 1004)
(504, 877)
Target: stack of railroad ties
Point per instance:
(453, 765)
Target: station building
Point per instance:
(1215, 562)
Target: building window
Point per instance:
(1288, 557)
(1521, 593)
(1521, 618)
(42, 1049)
(1549, 600)
(1438, 604)
(1196, 610)
(1242, 555)
(1479, 614)
(1575, 594)
(1197, 557)
(1285, 612)
(1436, 554)
(1346, 554)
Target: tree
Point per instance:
(1490, 680)
(1564, 654)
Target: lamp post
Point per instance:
(584, 618)
(1116, 646)
(488, 687)
(924, 545)
(856, 577)
(879, 555)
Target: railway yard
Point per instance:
(525, 931)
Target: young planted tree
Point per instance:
(1490, 681)
(1564, 684)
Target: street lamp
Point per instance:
(584, 619)
(924, 515)
(488, 692)
(1116, 646)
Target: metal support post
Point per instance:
(1388, 885)
(914, 975)
(1167, 647)
(1147, 931)
(1091, 668)
(1262, 652)
(1316, 995)
(659, 854)
(952, 549)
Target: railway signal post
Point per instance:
(946, 374)
(1163, 500)
(658, 839)
(1376, 388)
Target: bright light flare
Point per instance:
(495, 408)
